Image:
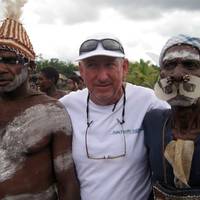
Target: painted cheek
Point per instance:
(7, 69)
(16, 69)
(18, 79)
(3, 68)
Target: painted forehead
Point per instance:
(181, 51)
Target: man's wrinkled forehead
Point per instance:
(101, 59)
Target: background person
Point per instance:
(35, 130)
(33, 79)
(72, 83)
(47, 82)
(108, 145)
(81, 84)
(172, 136)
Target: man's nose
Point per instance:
(178, 73)
(102, 73)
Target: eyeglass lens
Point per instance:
(108, 44)
(112, 45)
(95, 150)
(88, 45)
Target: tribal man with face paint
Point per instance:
(173, 136)
(35, 130)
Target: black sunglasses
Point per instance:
(12, 60)
(108, 44)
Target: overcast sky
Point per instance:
(57, 27)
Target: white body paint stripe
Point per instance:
(63, 162)
(27, 130)
(49, 194)
(181, 54)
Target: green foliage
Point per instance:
(66, 68)
(143, 73)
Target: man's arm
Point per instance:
(67, 182)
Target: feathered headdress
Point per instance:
(12, 33)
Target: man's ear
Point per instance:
(80, 66)
(82, 71)
(125, 68)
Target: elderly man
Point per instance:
(108, 145)
(35, 130)
(172, 136)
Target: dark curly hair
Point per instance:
(51, 73)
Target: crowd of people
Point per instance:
(54, 84)
(103, 138)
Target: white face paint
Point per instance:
(27, 130)
(183, 94)
(183, 54)
(63, 162)
(49, 194)
(18, 80)
(182, 101)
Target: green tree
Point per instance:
(66, 68)
(143, 73)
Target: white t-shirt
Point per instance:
(124, 178)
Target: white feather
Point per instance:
(13, 8)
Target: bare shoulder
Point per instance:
(34, 121)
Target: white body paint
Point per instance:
(63, 162)
(181, 54)
(18, 80)
(48, 194)
(25, 131)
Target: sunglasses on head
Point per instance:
(108, 44)
(12, 60)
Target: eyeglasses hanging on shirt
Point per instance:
(120, 122)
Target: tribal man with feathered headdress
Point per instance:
(35, 130)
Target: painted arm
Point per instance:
(67, 182)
